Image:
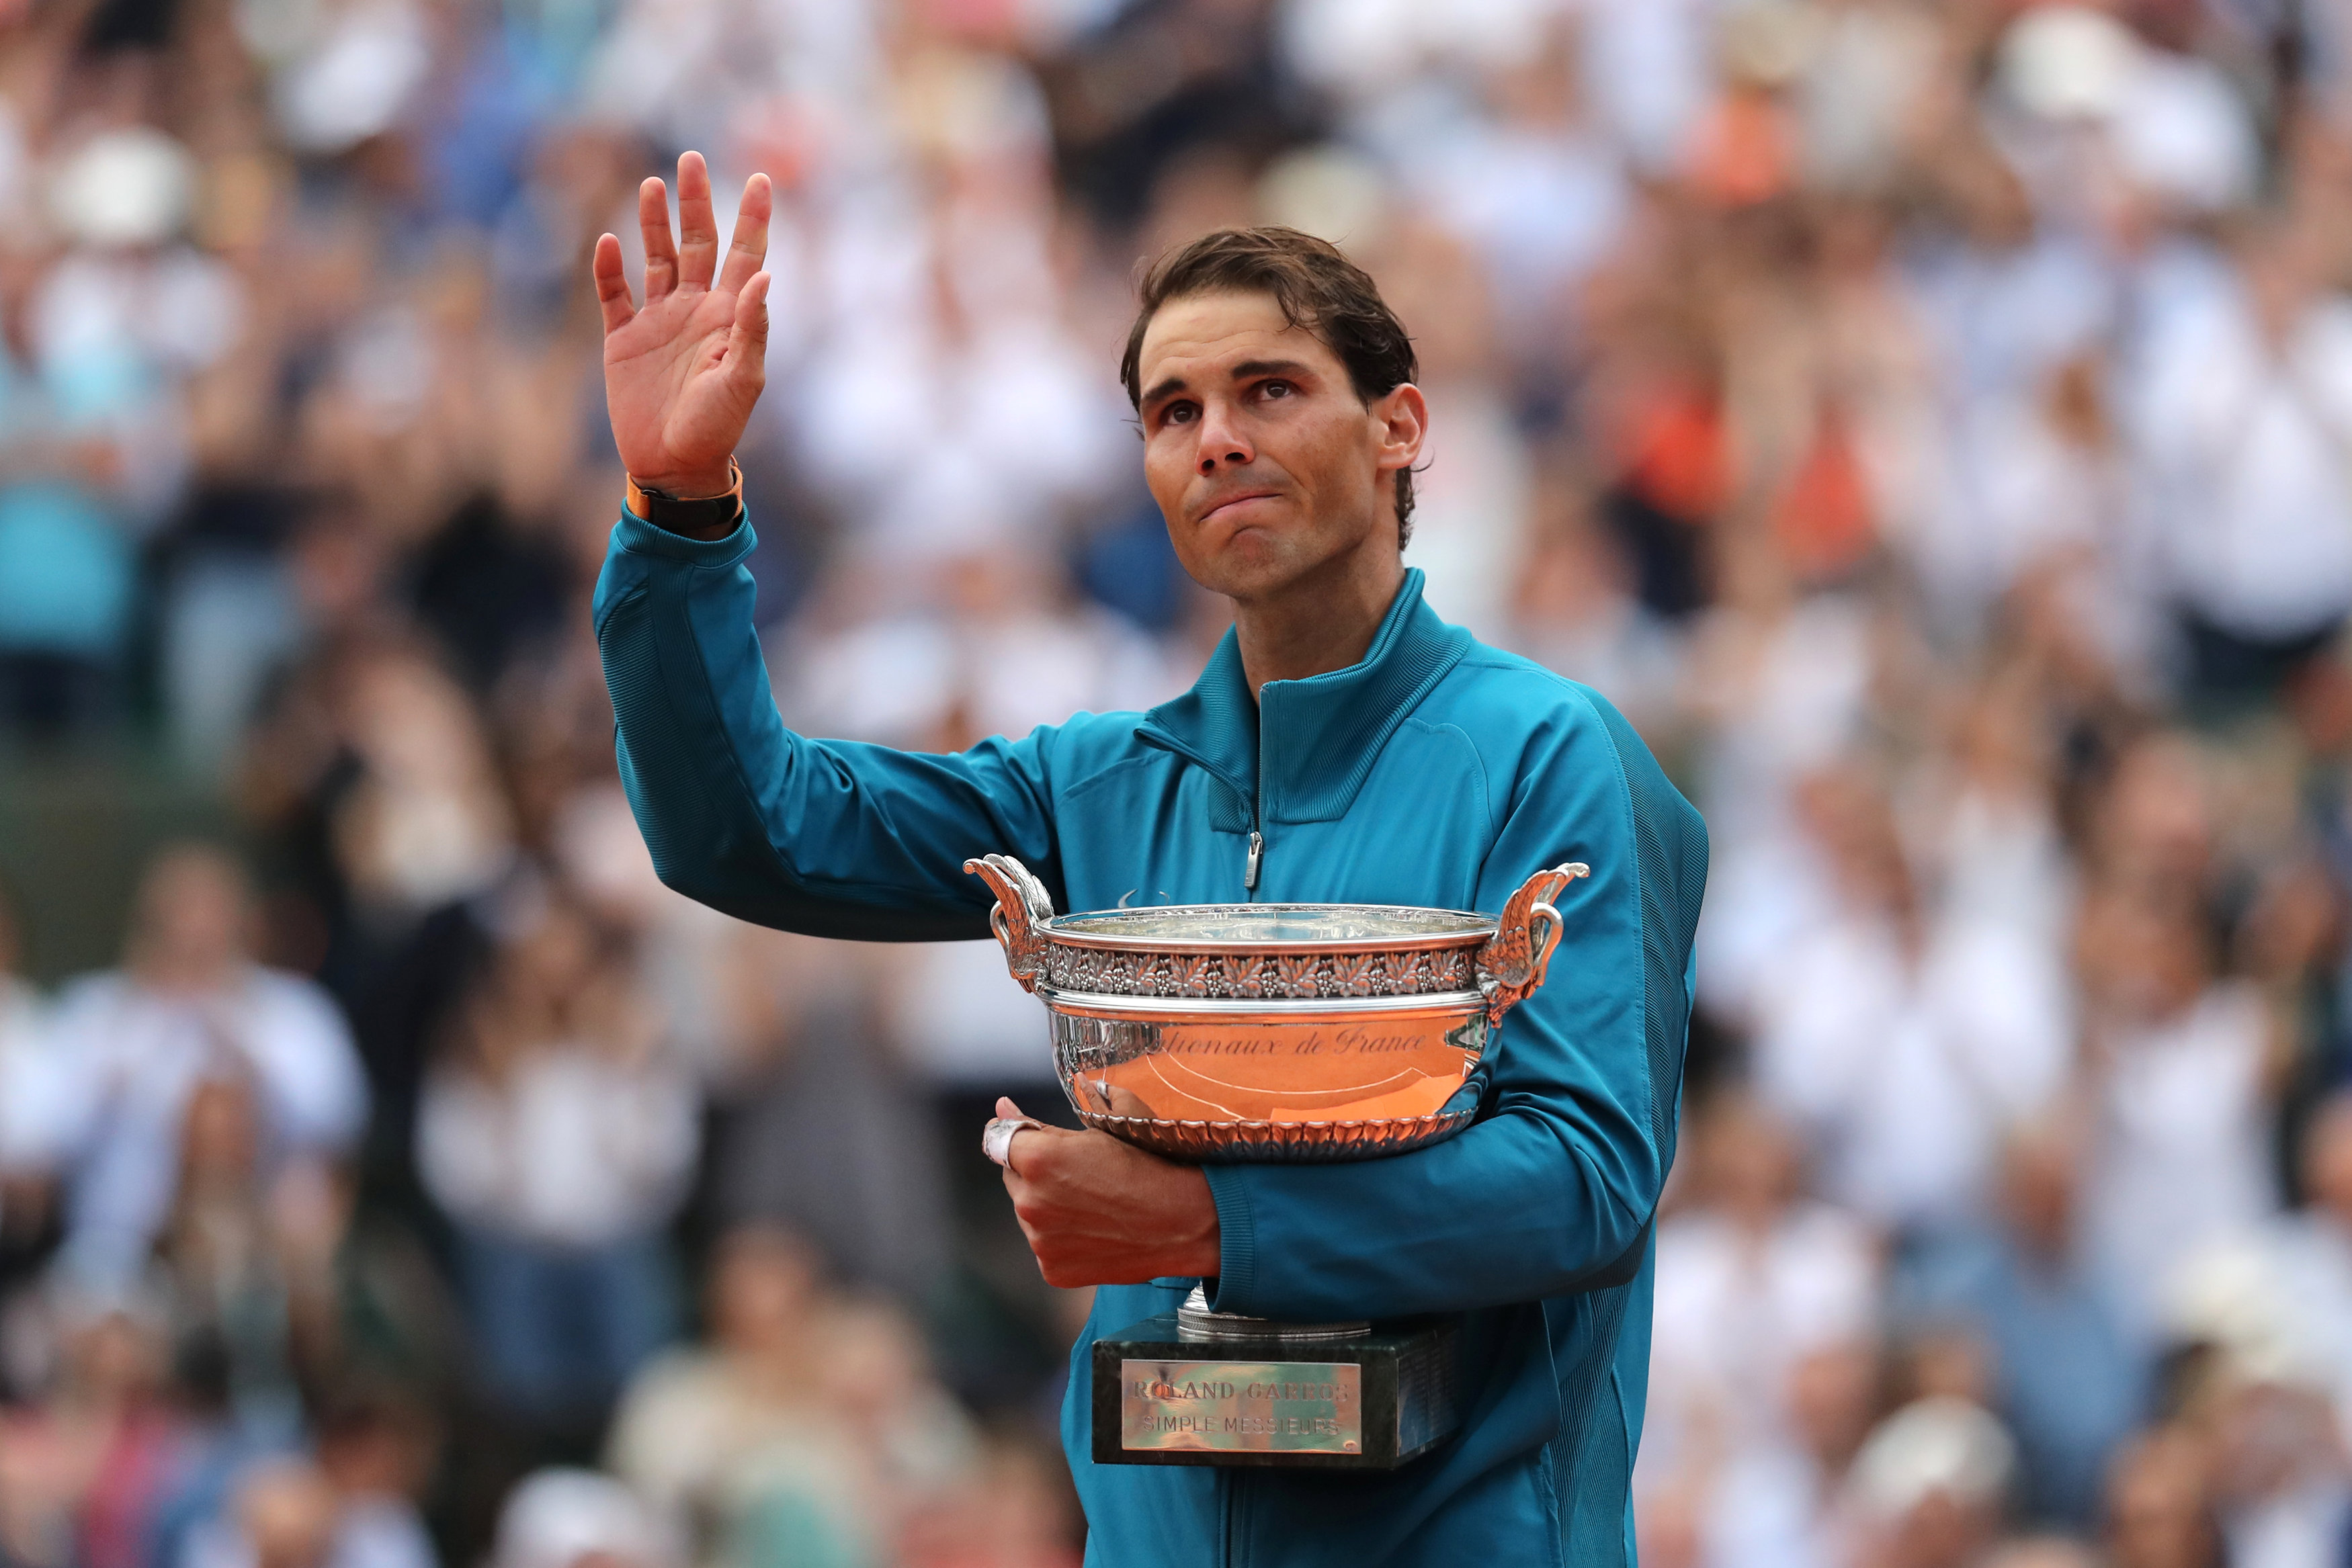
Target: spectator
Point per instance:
(2246, 393)
(1762, 1276)
(130, 1050)
(1785, 1501)
(2179, 1078)
(2284, 1490)
(1576, 611)
(2067, 1375)
(27, 1202)
(1010, 1514)
(2160, 1508)
(559, 1137)
(2043, 1552)
(913, 1443)
(376, 1449)
(281, 1515)
(2311, 1252)
(290, 1513)
(813, 1134)
(1929, 1484)
(691, 1417)
(249, 1266)
(85, 1465)
(810, 1430)
(77, 403)
(1906, 1044)
(568, 1519)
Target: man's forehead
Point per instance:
(1201, 330)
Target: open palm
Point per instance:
(682, 374)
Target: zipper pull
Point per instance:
(1256, 855)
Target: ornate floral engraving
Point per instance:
(1411, 972)
(1359, 975)
(1295, 1143)
(1250, 976)
(1295, 973)
(1188, 974)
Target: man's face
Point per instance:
(1266, 464)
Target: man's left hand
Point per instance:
(1100, 1212)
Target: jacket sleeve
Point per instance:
(830, 838)
(1558, 1178)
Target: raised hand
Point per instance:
(681, 374)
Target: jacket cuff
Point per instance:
(639, 536)
(1236, 1278)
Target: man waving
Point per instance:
(1344, 744)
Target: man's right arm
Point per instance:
(830, 837)
(815, 836)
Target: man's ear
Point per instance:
(1402, 414)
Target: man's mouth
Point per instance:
(1237, 500)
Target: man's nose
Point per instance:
(1221, 441)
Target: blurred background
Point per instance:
(1929, 420)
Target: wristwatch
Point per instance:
(691, 515)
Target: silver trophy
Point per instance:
(1223, 1032)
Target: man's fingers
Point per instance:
(661, 254)
(747, 343)
(612, 285)
(697, 226)
(750, 243)
(996, 1138)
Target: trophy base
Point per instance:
(1198, 1387)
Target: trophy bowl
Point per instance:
(1218, 1032)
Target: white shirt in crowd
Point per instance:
(2312, 1252)
(2181, 1158)
(2002, 488)
(1905, 1074)
(2281, 1296)
(1734, 1310)
(21, 1021)
(2247, 449)
(102, 1098)
(575, 1149)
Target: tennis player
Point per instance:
(1343, 743)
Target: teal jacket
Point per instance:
(1437, 772)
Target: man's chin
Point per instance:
(1252, 565)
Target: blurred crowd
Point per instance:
(1929, 420)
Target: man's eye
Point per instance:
(1277, 389)
(1178, 413)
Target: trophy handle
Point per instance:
(1512, 963)
(1022, 907)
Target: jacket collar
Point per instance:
(1308, 755)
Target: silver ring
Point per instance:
(996, 1139)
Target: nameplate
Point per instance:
(1242, 1406)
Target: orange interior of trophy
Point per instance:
(1245, 1073)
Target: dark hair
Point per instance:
(1317, 287)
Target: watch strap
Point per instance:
(690, 514)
